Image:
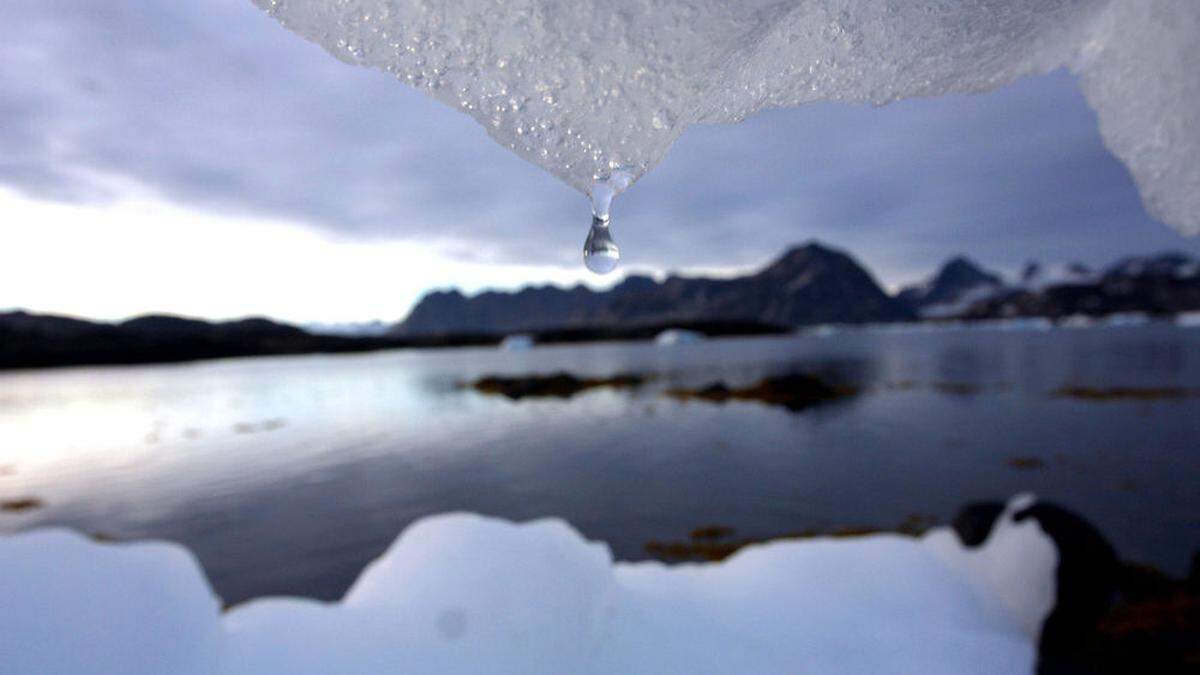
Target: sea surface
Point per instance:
(286, 475)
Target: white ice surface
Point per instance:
(461, 593)
(583, 87)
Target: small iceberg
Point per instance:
(517, 342)
(1188, 319)
(1077, 321)
(678, 336)
(1017, 323)
(1126, 319)
(822, 330)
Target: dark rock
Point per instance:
(795, 392)
(1025, 463)
(557, 385)
(1086, 585)
(974, 522)
(1122, 393)
(712, 532)
(1108, 618)
(21, 504)
(717, 391)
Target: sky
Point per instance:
(196, 158)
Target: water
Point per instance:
(289, 474)
(600, 252)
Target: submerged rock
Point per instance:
(795, 392)
(557, 385)
(1025, 463)
(1122, 393)
(22, 504)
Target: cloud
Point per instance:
(132, 256)
(216, 107)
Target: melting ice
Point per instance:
(600, 252)
(581, 88)
(459, 593)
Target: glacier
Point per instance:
(462, 593)
(586, 88)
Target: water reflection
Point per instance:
(286, 475)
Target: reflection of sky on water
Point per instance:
(288, 474)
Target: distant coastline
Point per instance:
(808, 286)
(47, 341)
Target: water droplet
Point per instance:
(600, 252)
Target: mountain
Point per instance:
(1171, 265)
(1163, 284)
(530, 309)
(809, 284)
(959, 284)
(1036, 276)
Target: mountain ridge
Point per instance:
(808, 284)
(958, 280)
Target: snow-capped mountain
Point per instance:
(957, 285)
(1036, 276)
(1158, 285)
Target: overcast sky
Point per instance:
(196, 158)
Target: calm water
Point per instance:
(287, 475)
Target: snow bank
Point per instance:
(462, 593)
(582, 88)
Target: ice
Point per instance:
(586, 88)
(678, 336)
(1188, 319)
(461, 593)
(70, 605)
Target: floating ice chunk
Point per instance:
(1188, 319)
(585, 88)
(461, 593)
(517, 342)
(678, 336)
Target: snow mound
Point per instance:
(462, 593)
(584, 88)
